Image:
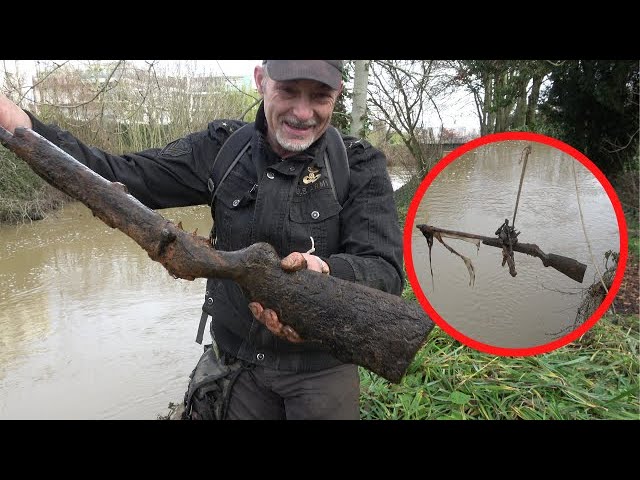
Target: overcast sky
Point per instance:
(230, 67)
(460, 113)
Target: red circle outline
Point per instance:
(408, 231)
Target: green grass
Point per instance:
(595, 377)
(23, 195)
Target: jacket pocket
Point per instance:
(235, 204)
(316, 215)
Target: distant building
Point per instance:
(129, 94)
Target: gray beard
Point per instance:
(293, 146)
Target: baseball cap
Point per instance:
(326, 71)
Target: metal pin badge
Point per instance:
(313, 175)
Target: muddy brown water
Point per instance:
(475, 194)
(90, 327)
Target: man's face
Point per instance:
(298, 111)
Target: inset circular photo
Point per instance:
(515, 244)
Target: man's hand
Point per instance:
(269, 319)
(12, 116)
(291, 263)
(298, 261)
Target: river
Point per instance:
(90, 327)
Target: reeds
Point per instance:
(118, 108)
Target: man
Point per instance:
(277, 193)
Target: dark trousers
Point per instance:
(265, 394)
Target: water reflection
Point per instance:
(90, 323)
(475, 194)
(399, 176)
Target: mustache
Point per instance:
(296, 123)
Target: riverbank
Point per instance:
(595, 377)
(24, 196)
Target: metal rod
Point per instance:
(526, 151)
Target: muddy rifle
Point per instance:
(356, 323)
(568, 266)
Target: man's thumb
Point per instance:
(294, 261)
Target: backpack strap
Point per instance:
(337, 164)
(224, 162)
(239, 142)
(226, 159)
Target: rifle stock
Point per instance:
(569, 266)
(565, 265)
(356, 323)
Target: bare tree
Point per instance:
(403, 93)
(122, 106)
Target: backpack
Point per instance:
(238, 143)
(210, 383)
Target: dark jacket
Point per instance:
(264, 199)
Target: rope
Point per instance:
(584, 230)
(525, 152)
